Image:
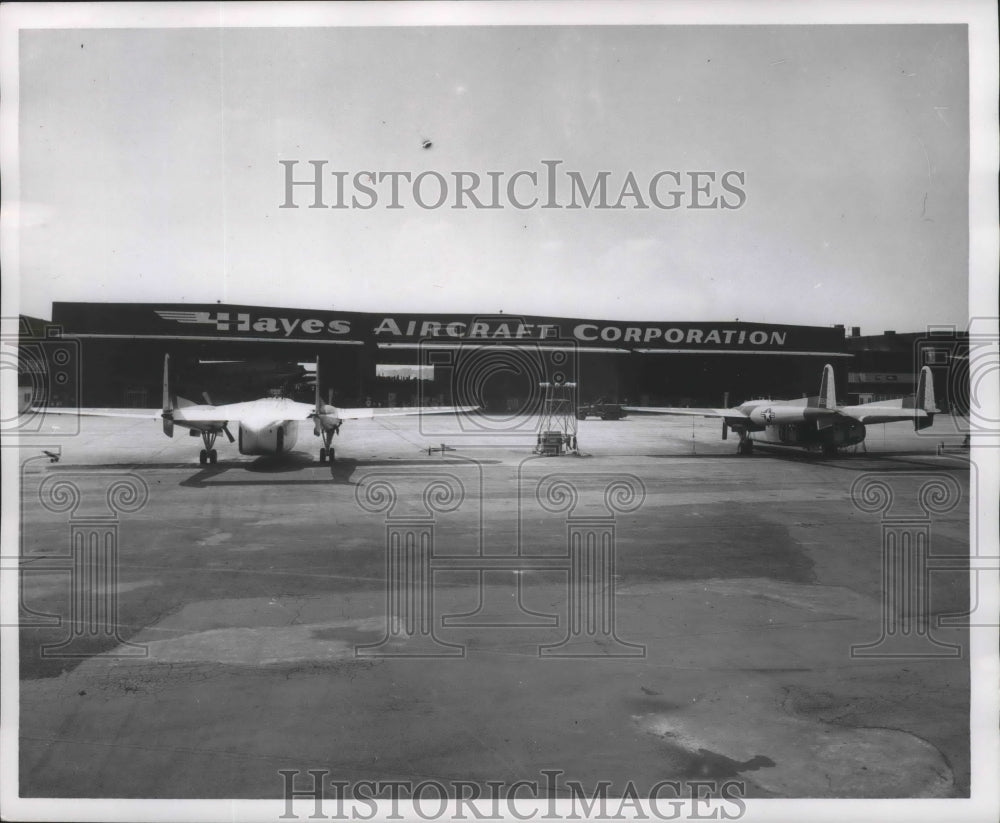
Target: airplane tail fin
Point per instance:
(168, 400)
(924, 399)
(828, 389)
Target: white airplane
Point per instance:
(267, 426)
(814, 422)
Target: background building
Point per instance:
(884, 366)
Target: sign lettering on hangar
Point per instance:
(466, 327)
(244, 322)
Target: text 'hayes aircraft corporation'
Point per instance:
(493, 328)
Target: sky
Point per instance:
(150, 169)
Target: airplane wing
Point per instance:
(390, 411)
(186, 414)
(206, 416)
(138, 414)
(729, 415)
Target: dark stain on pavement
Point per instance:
(705, 764)
(722, 541)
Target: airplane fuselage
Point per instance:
(794, 423)
(808, 435)
(276, 437)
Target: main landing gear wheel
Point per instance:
(208, 454)
(330, 456)
(745, 447)
(829, 451)
(326, 452)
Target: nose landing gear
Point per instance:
(327, 453)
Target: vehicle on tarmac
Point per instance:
(601, 408)
(813, 422)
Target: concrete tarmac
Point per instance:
(253, 631)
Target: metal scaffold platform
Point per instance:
(557, 422)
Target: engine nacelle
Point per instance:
(273, 439)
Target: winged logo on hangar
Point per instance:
(188, 316)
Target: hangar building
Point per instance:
(235, 352)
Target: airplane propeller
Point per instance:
(168, 399)
(324, 417)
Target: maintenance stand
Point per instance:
(557, 423)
